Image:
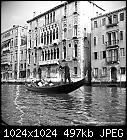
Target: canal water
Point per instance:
(85, 106)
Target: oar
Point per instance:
(81, 90)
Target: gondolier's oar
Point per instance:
(81, 90)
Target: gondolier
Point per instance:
(67, 72)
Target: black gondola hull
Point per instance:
(57, 89)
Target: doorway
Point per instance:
(113, 74)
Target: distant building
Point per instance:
(108, 46)
(13, 53)
(58, 35)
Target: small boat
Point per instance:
(56, 89)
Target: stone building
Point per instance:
(13, 53)
(108, 46)
(59, 35)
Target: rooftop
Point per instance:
(119, 10)
(56, 7)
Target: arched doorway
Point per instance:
(113, 74)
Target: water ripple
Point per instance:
(85, 106)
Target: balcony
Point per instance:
(75, 12)
(112, 60)
(112, 44)
(48, 62)
(64, 39)
(112, 24)
(75, 37)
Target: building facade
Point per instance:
(108, 46)
(60, 35)
(13, 53)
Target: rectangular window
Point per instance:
(42, 38)
(29, 59)
(24, 65)
(121, 16)
(57, 33)
(45, 19)
(95, 24)
(65, 10)
(103, 21)
(75, 30)
(115, 18)
(53, 16)
(36, 40)
(103, 39)
(94, 41)
(122, 69)
(104, 71)
(122, 51)
(121, 35)
(21, 53)
(104, 54)
(16, 55)
(110, 19)
(11, 57)
(75, 70)
(95, 72)
(50, 17)
(76, 6)
(69, 45)
(95, 55)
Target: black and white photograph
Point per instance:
(63, 63)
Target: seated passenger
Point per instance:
(40, 84)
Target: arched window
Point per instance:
(57, 53)
(47, 37)
(45, 55)
(54, 53)
(42, 55)
(48, 54)
(53, 34)
(50, 36)
(64, 49)
(75, 50)
(44, 38)
(51, 54)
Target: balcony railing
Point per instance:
(112, 24)
(112, 43)
(112, 60)
(48, 62)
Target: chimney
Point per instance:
(34, 14)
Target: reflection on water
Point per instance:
(85, 106)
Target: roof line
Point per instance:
(58, 6)
(109, 13)
(96, 5)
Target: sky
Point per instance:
(18, 12)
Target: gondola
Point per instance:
(56, 89)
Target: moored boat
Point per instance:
(57, 88)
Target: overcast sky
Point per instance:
(18, 12)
